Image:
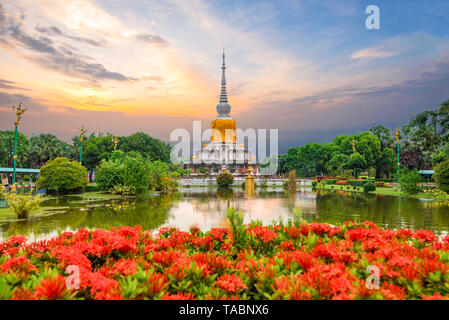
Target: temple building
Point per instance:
(223, 153)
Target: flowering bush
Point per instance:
(225, 180)
(380, 184)
(342, 182)
(292, 261)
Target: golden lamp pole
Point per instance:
(19, 113)
(115, 140)
(396, 133)
(353, 150)
(83, 132)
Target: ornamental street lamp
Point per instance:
(115, 140)
(83, 131)
(19, 113)
(353, 150)
(396, 133)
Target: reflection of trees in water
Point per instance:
(226, 194)
(386, 211)
(330, 207)
(149, 213)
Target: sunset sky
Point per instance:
(309, 68)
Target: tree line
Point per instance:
(36, 151)
(424, 143)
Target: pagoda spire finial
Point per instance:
(223, 94)
(223, 107)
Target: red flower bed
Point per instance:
(342, 182)
(294, 261)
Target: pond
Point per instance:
(205, 208)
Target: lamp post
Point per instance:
(83, 131)
(19, 113)
(396, 133)
(115, 140)
(353, 150)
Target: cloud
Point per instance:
(7, 100)
(55, 31)
(151, 38)
(374, 53)
(6, 84)
(60, 59)
(153, 78)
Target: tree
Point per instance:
(410, 182)
(149, 147)
(384, 136)
(22, 204)
(95, 149)
(45, 147)
(289, 161)
(108, 174)
(136, 172)
(336, 163)
(441, 176)
(356, 161)
(61, 175)
(7, 149)
(225, 180)
(312, 159)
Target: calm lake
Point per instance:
(206, 208)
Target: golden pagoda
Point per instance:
(222, 153)
(223, 126)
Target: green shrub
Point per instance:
(441, 176)
(410, 182)
(161, 179)
(225, 180)
(21, 204)
(91, 188)
(358, 183)
(314, 183)
(292, 180)
(62, 176)
(331, 181)
(136, 172)
(369, 186)
(108, 174)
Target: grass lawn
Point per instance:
(6, 213)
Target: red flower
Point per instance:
(18, 264)
(52, 288)
(231, 283)
(125, 267)
(264, 233)
(435, 296)
(178, 296)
